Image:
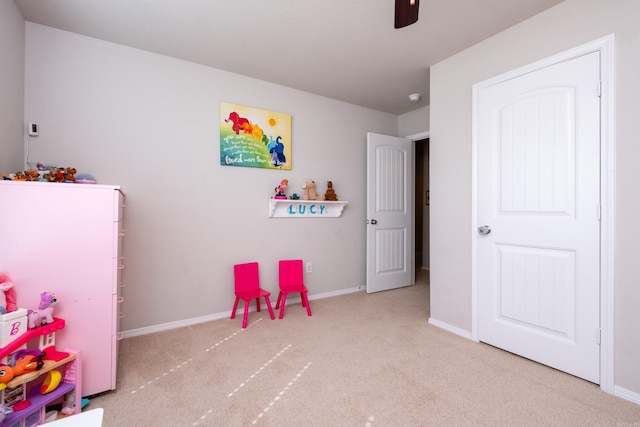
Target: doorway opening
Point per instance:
(421, 204)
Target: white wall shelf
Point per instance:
(287, 208)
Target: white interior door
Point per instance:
(389, 212)
(538, 191)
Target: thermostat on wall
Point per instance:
(34, 129)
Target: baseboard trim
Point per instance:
(625, 394)
(450, 328)
(620, 392)
(224, 315)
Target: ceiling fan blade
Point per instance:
(406, 12)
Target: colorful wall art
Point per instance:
(254, 138)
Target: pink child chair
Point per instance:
(247, 287)
(291, 279)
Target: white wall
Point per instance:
(413, 122)
(11, 87)
(569, 24)
(150, 124)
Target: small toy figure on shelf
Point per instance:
(309, 187)
(280, 189)
(294, 196)
(69, 404)
(44, 314)
(330, 195)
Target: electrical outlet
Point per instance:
(34, 129)
(309, 267)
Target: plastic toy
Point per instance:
(4, 411)
(330, 194)
(280, 189)
(7, 295)
(26, 361)
(44, 314)
(51, 382)
(309, 187)
(69, 404)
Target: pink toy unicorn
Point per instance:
(44, 314)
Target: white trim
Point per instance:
(607, 225)
(449, 328)
(625, 394)
(418, 136)
(605, 46)
(224, 315)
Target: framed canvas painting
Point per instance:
(254, 138)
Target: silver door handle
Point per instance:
(374, 222)
(484, 230)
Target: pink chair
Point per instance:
(291, 279)
(247, 287)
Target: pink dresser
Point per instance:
(67, 239)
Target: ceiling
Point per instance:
(342, 49)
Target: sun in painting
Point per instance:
(273, 122)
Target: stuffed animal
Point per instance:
(70, 175)
(330, 194)
(7, 295)
(309, 187)
(44, 314)
(25, 361)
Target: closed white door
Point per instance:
(389, 212)
(538, 194)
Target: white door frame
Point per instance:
(605, 46)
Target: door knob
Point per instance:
(374, 222)
(484, 230)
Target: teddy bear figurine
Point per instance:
(310, 193)
(330, 195)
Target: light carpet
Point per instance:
(361, 360)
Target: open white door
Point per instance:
(538, 190)
(389, 212)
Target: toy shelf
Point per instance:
(287, 208)
(28, 385)
(48, 366)
(38, 402)
(31, 334)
